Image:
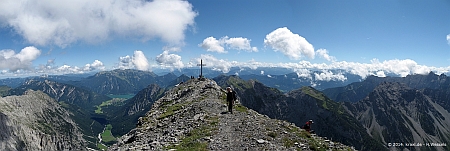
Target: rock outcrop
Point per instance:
(192, 116)
(34, 121)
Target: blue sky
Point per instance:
(363, 37)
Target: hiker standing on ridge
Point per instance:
(231, 97)
(307, 126)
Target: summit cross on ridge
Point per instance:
(201, 68)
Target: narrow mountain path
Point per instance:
(235, 133)
(227, 134)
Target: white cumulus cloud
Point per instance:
(237, 43)
(323, 53)
(125, 62)
(212, 44)
(303, 73)
(140, 61)
(68, 69)
(380, 74)
(291, 45)
(22, 60)
(96, 65)
(137, 61)
(329, 76)
(62, 22)
(171, 61)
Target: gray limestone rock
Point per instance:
(34, 121)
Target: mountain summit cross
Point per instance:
(201, 68)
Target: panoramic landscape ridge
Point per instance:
(161, 74)
(384, 113)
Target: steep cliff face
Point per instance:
(192, 117)
(396, 113)
(291, 81)
(34, 121)
(298, 106)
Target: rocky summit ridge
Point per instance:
(192, 116)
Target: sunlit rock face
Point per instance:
(34, 121)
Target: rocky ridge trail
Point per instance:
(192, 116)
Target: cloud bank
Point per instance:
(333, 71)
(22, 60)
(62, 22)
(291, 45)
(237, 43)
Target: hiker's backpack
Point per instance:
(234, 95)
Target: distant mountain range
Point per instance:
(130, 81)
(211, 73)
(291, 81)
(358, 90)
(123, 81)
